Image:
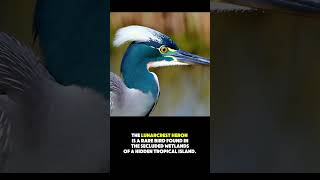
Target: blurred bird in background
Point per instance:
(54, 117)
(286, 6)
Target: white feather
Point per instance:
(155, 64)
(136, 33)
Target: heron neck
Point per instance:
(135, 73)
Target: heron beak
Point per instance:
(188, 58)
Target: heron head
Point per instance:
(154, 49)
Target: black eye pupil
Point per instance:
(163, 49)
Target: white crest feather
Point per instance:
(136, 33)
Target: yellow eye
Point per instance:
(163, 49)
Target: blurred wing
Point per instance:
(4, 135)
(299, 5)
(306, 6)
(220, 7)
(22, 76)
(20, 68)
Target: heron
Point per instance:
(53, 110)
(139, 90)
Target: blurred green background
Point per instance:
(266, 92)
(185, 90)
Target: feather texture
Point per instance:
(44, 126)
(137, 33)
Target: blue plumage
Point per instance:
(73, 36)
(148, 49)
